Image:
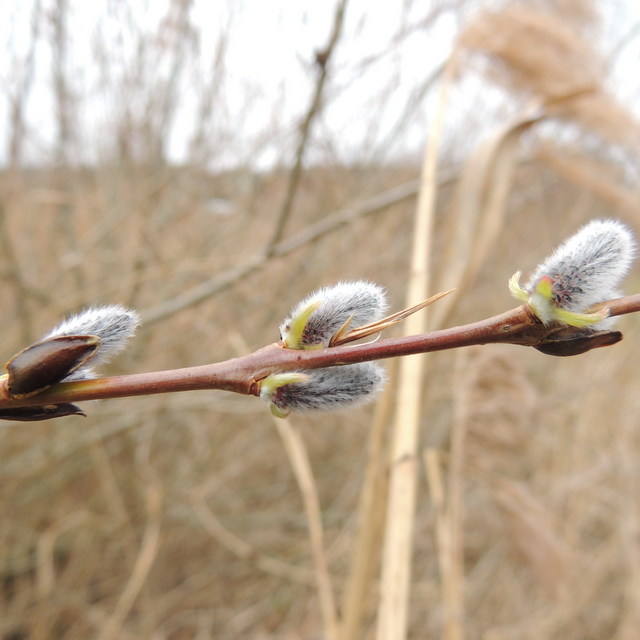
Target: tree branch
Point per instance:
(241, 375)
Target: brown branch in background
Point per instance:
(23, 90)
(59, 47)
(416, 100)
(13, 273)
(17, 134)
(330, 223)
(200, 140)
(174, 38)
(65, 116)
(322, 60)
(299, 459)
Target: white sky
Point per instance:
(268, 72)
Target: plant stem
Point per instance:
(240, 375)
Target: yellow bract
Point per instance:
(516, 290)
(544, 307)
(293, 337)
(272, 383)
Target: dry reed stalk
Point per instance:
(453, 586)
(450, 574)
(371, 512)
(481, 202)
(529, 43)
(550, 55)
(297, 453)
(437, 493)
(398, 541)
(630, 536)
(480, 213)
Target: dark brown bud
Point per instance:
(46, 412)
(44, 363)
(572, 342)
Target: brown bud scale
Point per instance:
(47, 362)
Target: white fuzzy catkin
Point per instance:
(330, 308)
(584, 270)
(115, 325)
(329, 389)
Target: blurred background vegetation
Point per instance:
(209, 166)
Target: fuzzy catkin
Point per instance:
(589, 266)
(363, 300)
(330, 389)
(584, 270)
(115, 325)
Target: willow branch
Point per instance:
(241, 375)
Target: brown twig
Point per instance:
(331, 222)
(240, 375)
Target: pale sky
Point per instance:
(268, 75)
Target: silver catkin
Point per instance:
(330, 389)
(584, 270)
(364, 300)
(115, 325)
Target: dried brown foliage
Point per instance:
(180, 516)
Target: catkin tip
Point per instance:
(584, 270)
(314, 321)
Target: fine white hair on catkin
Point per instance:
(115, 325)
(588, 267)
(329, 389)
(364, 300)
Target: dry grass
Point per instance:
(181, 516)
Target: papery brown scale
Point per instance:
(47, 362)
(45, 412)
